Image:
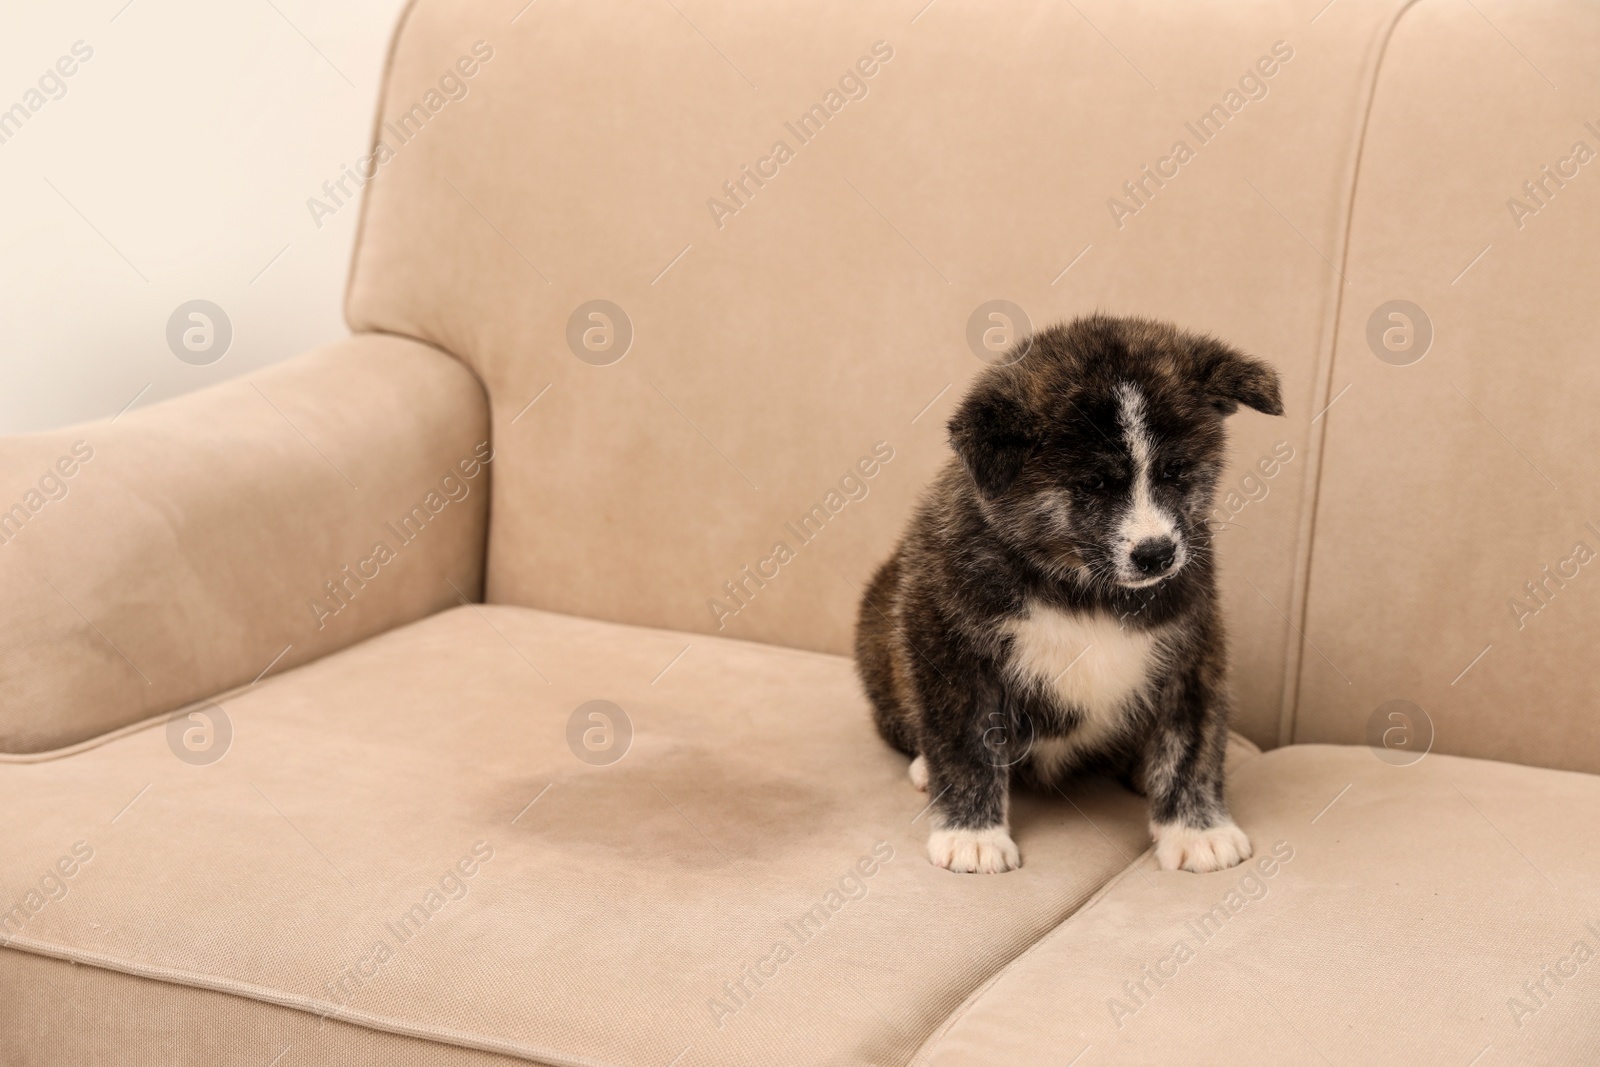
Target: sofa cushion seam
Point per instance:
(1094, 899)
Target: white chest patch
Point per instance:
(1086, 661)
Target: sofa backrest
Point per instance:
(724, 272)
(1456, 556)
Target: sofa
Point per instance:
(476, 689)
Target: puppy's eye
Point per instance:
(1103, 481)
(1173, 473)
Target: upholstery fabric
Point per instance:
(1442, 912)
(187, 551)
(776, 340)
(754, 805)
(1454, 557)
(56, 1013)
(683, 348)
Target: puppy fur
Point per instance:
(1051, 609)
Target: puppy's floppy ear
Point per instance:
(993, 432)
(1229, 379)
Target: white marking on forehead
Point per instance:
(1134, 433)
(1143, 519)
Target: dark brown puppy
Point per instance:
(1052, 607)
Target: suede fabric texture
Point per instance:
(56, 1013)
(414, 849)
(1458, 523)
(1418, 920)
(184, 555)
(753, 792)
(774, 345)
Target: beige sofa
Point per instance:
(302, 757)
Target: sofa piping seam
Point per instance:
(295, 1002)
(1289, 711)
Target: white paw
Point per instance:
(988, 851)
(1183, 847)
(919, 773)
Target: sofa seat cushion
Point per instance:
(1442, 912)
(403, 836)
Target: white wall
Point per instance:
(190, 141)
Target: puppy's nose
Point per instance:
(1154, 555)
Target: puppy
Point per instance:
(1052, 607)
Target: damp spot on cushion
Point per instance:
(686, 807)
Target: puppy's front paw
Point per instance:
(1216, 849)
(988, 851)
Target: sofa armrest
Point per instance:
(194, 546)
